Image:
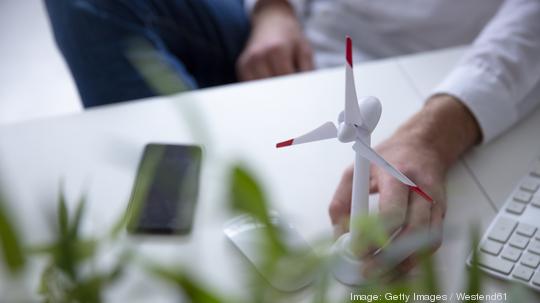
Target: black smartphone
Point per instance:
(165, 192)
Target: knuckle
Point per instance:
(276, 49)
(429, 181)
(407, 168)
(255, 56)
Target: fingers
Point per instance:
(260, 69)
(373, 268)
(393, 201)
(421, 216)
(268, 59)
(419, 213)
(304, 57)
(281, 61)
(253, 66)
(373, 186)
(438, 212)
(340, 207)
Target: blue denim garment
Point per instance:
(198, 41)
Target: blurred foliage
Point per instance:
(474, 282)
(163, 78)
(10, 245)
(155, 68)
(193, 290)
(246, 196)
(72, 276)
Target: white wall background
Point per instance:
(34, 80)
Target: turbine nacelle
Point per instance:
(370, 110)
(370, 114)
(347, 132)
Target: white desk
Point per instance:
(100, 148)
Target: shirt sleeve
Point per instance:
(499, 77)
(299, 7)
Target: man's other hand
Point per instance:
(276, 45)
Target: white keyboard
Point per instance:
(510, 248)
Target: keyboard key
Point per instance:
(535, 247)
(526, 230)
(515, 208)
(496, 264)
(522, 196)
(535, 201)
(536, 279)
(530, 260)
(511, 253)
(491, 247)
(530, 185)
(519, 241)
(523, 273)
(502, 229)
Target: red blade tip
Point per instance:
(349, 51)
(422, 193)
(284, 143)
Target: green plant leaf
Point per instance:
(193, 290)
(147, 173)
(474, 276)
(246, 196)
(430, 280)
(154, 68)
(74, 228)
(62, 214)
(372, 232)
(12, 251)
(64, 256)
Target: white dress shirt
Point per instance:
(498, 79)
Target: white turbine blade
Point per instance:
(326, 131)
(352, 110)
(370, 154)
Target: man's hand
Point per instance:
(424, 148)
(276, 45)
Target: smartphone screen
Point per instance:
(165, 192)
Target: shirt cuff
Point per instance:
(484, 95)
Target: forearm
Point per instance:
(444, 124)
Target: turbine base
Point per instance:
(346, 265)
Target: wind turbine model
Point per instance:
(356, 123)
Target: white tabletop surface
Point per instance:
(97, 152)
